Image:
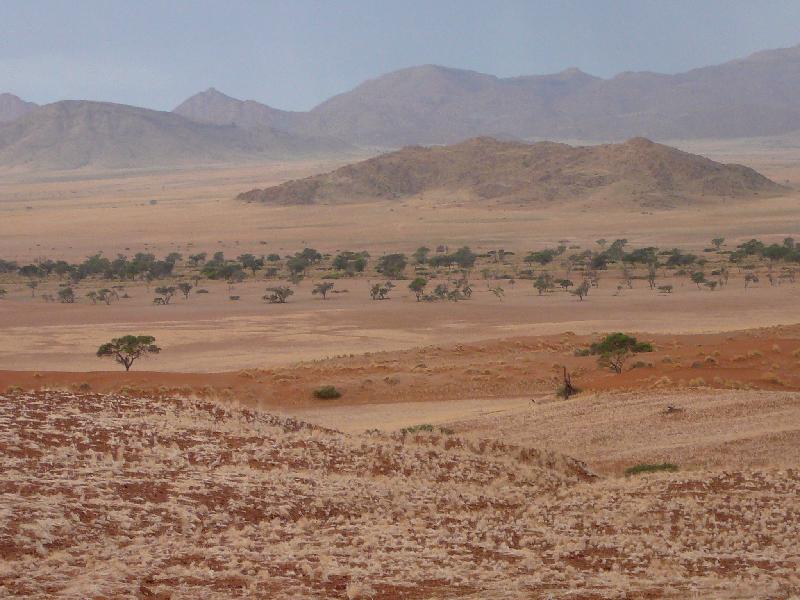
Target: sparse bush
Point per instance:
(327, 392)
(427, 427)
(651, 468)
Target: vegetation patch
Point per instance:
(651, 468)
(327, 392)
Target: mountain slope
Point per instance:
(12, 107)
(487, 169)
(74, 134)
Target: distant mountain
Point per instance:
(12, 107)
(754, 96)
(216, 108)
(638, 171)
(74, 134)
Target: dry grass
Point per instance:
(112, 496)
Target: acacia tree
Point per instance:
(543, 283)
(126, 349)
(418, 287)
(322, 289)
(392, 265)
(652, 273)
(66, 295)
(581, 291)
(615, 349)
(185, 287)
(381, 291)
(107, 295)
(278, 295)
(32, 284)
(166, 293)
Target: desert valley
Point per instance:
(406, 344)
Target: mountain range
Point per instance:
(638, 172)
(749, 97)
(754, 96)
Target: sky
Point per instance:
(294, 54)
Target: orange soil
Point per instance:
(764, 359)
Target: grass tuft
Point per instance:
(651, 468)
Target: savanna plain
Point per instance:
(330, 429)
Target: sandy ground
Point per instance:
(211, 333)
(71, 215)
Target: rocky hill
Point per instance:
(487, 169)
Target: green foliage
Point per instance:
(126, 349)
(327, 392)
(252, 262)
(542, 257)
(698, 277)
(66, 295)
(351, 262)
(278, 295)
(544, 283)
(392, 265)
(185, 287)
(323, 288)
(166, 293)
(420, 255)
(427, 427)
(651, 468)
(615, 349)
(418, 286)
(380, 291)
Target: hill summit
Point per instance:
(638, 170)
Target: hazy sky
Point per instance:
(293, 54)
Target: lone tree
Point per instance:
(166, 293)
(581, 291)
(278, 295)
(126, 349)
(418, 287)
(392, 265)
(381, 291)
(322, 289)
(185, 287)
(616, 348)
(698, 277)
(66, 295)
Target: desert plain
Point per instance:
(448, 468)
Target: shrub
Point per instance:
(651, 468)
(327, 392)
(417, 428)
